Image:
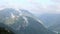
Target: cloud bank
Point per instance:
(34, 6)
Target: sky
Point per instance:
(34, 6)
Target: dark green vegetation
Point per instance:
(58, 33)
(25, 23)
(4, 31)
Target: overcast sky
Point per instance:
(34, 6)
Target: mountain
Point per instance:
(22, 22)
(50, 19)
(55, 27)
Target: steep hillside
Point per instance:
(22, 22)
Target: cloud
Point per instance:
(58, 1)
(47, 7)
(34, 6)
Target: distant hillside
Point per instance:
(50, 19)
(55, 27)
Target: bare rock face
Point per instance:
(21, 22)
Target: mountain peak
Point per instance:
(26, 23)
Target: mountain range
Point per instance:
(51, 21)
(22, 22)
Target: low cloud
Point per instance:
(34, 6)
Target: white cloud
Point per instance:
(34, 6)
